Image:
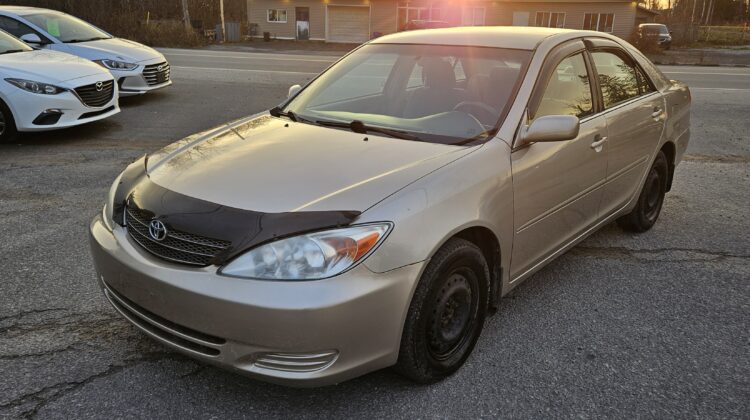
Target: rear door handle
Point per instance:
(598, 142)
(657, 113)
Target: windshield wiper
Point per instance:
(74, 41)
(12, 51)
(359, 127)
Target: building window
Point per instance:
(276, 15)
(425, 11)
(550, 19)
(473, 16)
(602, 22)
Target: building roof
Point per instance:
(641, 9)
(516, 37)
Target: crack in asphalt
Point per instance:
(640, 255)
(56, 391)
(30, 312)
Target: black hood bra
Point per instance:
(243, 229)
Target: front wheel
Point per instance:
(446, 314)
(645, 213)
(7, 124)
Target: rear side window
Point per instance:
(568, 91)
(617, 78)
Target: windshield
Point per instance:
(66, 28)
(435, 93)
(9, 44)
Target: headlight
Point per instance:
(108, 205)
(116, 65)
(36, 87)
(309, 257)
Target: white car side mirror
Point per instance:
(31, 39)
(293, 90)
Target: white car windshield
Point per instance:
(66, 28)
(9, 44)
(435, 93)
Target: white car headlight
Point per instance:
(312, 256)
(36, 87)
(116, 65)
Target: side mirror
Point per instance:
(551, 128)
(32, 39)
(293, 90)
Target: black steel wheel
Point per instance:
(447, 313)
(651, 200)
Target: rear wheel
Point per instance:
(7, 124)
(645, 213)
(446, 314)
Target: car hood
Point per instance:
(272, 165)
(114, 49)
(48, 66)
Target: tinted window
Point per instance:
(643, 83)
(15, 28)
(617, 78)
(568, 91)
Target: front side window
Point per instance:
(435, 93)
(276, 15)
(602, 22)
(15, 28)
(617, 78)
(9, 45)
(568, 91)
(550, 19)
(66, 28)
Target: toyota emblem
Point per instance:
(157, 230)
(99, 86)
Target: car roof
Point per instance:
(515, 37)
(23, 10)
(652, 24)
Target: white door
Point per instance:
(348, 24)
(520, 18)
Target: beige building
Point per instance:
(360, 20)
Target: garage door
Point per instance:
(348, 23)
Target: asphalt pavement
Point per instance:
(655, 325)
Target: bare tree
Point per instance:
(186, 16)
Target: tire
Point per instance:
(650, 202)
(8, 131)
(447, 313)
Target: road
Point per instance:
(652, 325)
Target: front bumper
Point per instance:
(307, 333)
(29, 108)
(134, 82)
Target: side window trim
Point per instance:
(551, 62)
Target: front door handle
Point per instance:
(657, 113)
(598, 142)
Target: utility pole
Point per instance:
(186, 16)
(223, 24)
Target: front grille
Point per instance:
(179, 247)
(96, 95)
(96, 113)
(156, 74)
(178, 335)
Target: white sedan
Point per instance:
(136, 68)
(47, 90)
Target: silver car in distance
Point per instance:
(377, 216)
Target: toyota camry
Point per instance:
(377, 216)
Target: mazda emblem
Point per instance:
(99, 86)
(157, 230)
